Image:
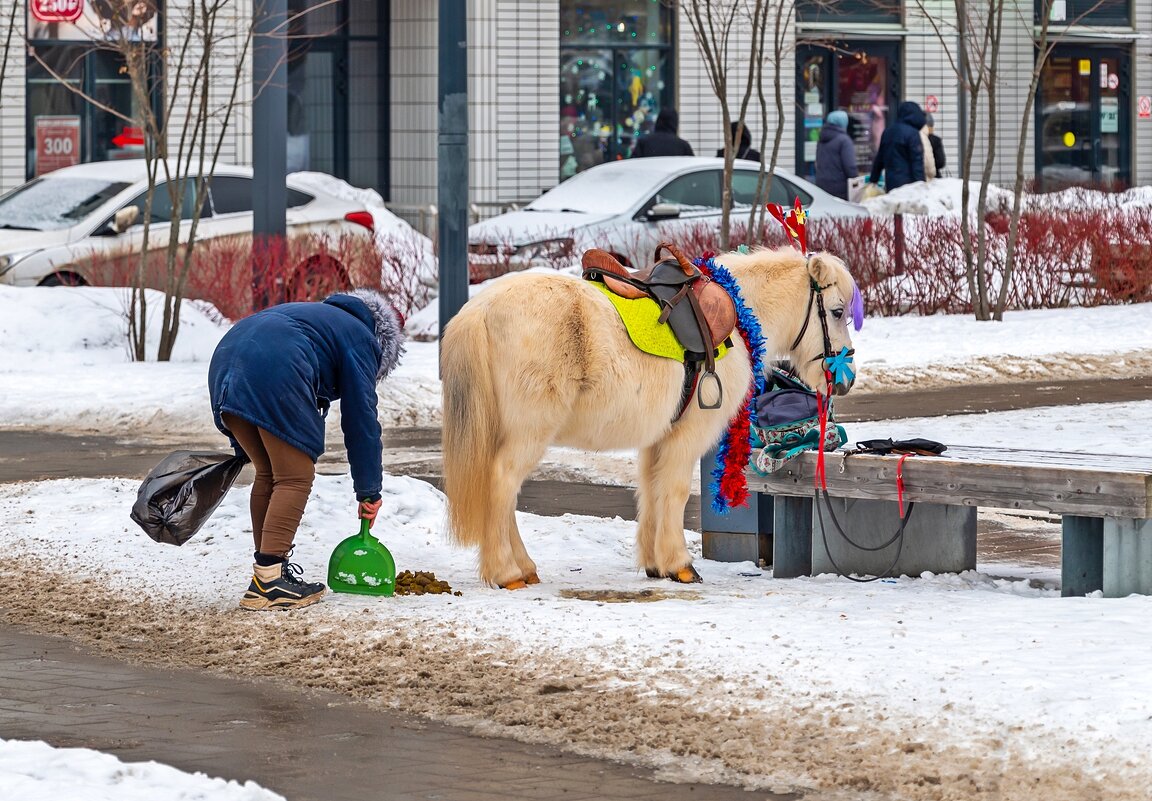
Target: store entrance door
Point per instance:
(860, 77)
(1083, 124)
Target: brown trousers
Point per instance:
(284, 476)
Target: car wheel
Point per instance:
(63, 279)
(316, 279)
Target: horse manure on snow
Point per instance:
(422, 582)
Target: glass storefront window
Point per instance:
(615, 22)
(1086, 12)
(63, 127)
(847, 11)
(1082, 121)
(332, 127)
(859, 77)
(615, 75)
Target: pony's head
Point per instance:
(832, 299)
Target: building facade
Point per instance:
(556, 86)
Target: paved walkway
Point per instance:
(307, 746)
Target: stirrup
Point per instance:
(719, 391)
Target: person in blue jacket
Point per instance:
(835, 156)
(272, 379)
(900, 155)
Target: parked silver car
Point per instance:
(84, 225)
(627, 208)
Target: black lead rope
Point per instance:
(898, 538)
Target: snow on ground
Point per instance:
(966, 686)
(34, 771)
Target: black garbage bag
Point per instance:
(181, 493)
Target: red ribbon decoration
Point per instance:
(795, 222)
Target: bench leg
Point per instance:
(742, 535)
(791, 537)
(1081, 556)
(1127, 557)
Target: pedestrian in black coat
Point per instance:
(835, 156)
(663, 141)
(901, 155)
(744, 149)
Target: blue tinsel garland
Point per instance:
(749, 328)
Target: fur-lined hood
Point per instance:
(385, 323)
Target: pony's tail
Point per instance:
(470, 427)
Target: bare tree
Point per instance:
(713, 23)
(184, 98)
(973, 48)
(1045, 40)
(7, 47)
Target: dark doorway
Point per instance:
(861, 77)
(338, 90)
(1083, 121)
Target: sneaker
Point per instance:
(279, 586)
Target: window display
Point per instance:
(615, 74)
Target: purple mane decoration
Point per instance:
(856, 307)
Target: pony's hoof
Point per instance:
(532, 578)
(518, 584)
(685, 575)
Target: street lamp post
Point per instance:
(452, 158)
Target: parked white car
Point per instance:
(75, 225)
(627, 208)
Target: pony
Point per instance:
(537, 359)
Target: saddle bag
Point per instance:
(788, 423)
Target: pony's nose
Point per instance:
(843, 389)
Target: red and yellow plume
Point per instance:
(795, 224)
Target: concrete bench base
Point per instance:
(937, 538)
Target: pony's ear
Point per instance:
(824, 268)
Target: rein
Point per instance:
(816, 295)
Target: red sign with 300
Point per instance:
(57, 10)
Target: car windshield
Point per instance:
(599, 191)
(50, 204)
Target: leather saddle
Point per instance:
(700, 312)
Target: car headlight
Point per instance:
(549, 250)
(10, 260)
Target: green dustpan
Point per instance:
(362, 564)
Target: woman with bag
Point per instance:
(272, 379)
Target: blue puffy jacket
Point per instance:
(901, 154)
(281, 369)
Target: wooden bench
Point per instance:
(1105, 503)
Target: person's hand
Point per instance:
(369, 509)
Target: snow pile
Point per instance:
(944, 197)
(58, 326)
(941, 197)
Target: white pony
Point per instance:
(539, 359)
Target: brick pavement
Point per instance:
(56, 691)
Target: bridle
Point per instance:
(816, 296)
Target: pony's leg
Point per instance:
(508, 564)
(665, 484)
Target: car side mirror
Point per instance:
(664, 211)
(124, 219)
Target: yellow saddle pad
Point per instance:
(641, 318)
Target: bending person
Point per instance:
(272, 379)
